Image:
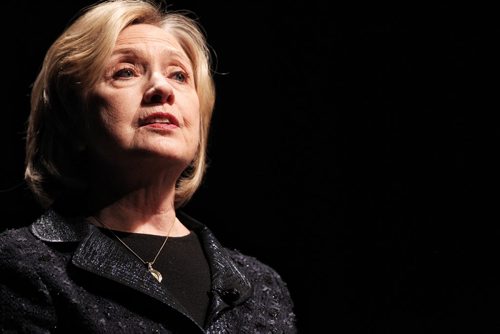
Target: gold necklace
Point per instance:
(156, 274)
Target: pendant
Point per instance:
(156, 274)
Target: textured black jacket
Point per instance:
(62, 275)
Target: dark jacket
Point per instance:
(65, 275)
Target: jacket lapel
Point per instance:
(230, 287)
(101, 255)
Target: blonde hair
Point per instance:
(72, 66)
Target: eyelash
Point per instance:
(117, 74)
(131, 73)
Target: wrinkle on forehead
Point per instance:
(146, 36)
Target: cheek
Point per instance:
(193, 120)
(110, 111)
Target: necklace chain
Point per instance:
(156, 274)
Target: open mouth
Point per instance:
(159, 120)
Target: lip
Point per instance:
(159, 120)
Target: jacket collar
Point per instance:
(230, 287)
(99, 254)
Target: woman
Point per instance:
(116, 145)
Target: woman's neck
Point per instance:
(148, 210)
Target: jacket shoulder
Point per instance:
(253, 267)
(28, 309)
(260, 274)
(16, 242)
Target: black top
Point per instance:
(182, 264)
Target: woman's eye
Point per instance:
(124, 73)
(179, 76)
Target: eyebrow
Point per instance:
(136, 52)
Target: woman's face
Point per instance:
(146, 103)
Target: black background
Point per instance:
(349, 150)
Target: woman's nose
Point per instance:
(160, 91)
